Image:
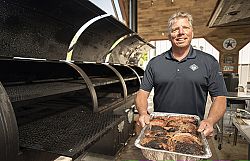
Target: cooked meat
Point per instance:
(171, 129)
(158, 122)
(145, 140)
(186, 119)
(188, 128)
(156, 143)
(157, 128)
(161, 128)
(183, 118)
(164, 134)
(187, 148)
(174, 133)
(183, 143)
(160, 117)
(177, 123)
(186, 137)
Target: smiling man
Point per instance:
(182, 78)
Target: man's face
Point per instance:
(181, 34)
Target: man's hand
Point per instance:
(206, 127)
(216, 112)
(143, 120)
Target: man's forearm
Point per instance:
(217, 109)
(141, 106)
(141, 102)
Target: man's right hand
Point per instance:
(143, 120)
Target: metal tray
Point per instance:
(155, 154)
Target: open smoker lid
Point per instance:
(60, 30)
(129, 49)
(96, 40)
(42, 28)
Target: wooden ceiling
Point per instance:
(153, 16)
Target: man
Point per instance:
(182, 78)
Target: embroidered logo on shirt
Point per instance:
(193, 67)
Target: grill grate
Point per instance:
(36, 90)
(69, 133)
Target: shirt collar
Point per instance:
(191, 54)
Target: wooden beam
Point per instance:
(124, 5)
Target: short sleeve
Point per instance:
(217, 85)
(148, 77)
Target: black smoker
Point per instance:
(68, 78)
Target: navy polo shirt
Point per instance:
(183, 86)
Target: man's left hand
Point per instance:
(206, 127)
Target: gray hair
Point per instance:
(178, 15)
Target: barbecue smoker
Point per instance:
(68, 78)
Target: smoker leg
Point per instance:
(235, 135)
(220, 139)
(219, 135)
